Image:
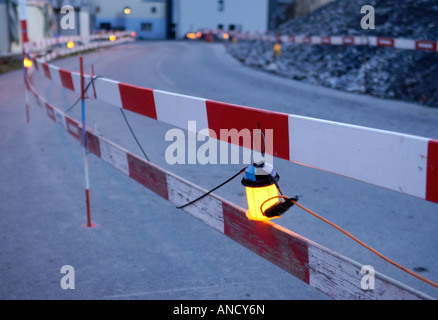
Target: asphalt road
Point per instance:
(144, 248)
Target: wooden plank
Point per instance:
(327, 271)
(148, 175)
(340, 278)
(284, 249)
(208, 209)
(114, 156)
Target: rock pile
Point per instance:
(383, 72)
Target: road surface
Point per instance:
(144, 248)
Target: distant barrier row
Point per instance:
(399, 43)
(63, 51)
(85, 40)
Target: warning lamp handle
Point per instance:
(280, 207)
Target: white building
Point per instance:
(147, 18)
(238, 15)
(40, 24)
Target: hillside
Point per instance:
(383, 72)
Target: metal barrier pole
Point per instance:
(24, 40)
(84, 144)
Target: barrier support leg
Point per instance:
(26, 95)
(84, 149)
(24, 40)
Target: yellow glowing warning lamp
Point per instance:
(27, 63)
(70, 44)
(262, 193)
(277, 50)
(191, 35)
(112, 37)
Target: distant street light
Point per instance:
(27, 63)
(127, 10)
(277, 50)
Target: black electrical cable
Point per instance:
(79, 99)
(72, 106)
(215, 188)
(126, 120)
(132, 132)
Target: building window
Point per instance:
(232, 27)
(153, 9)
(105, 26)
(220, 26)
(221, 5)
(146, 26)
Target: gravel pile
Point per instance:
(383, 72)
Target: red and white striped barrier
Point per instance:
(399, 43)
(45, 43)
(403, 163)
(79, 48)
(315, 265)
(399, 162)
(67, 79)
(25, 40)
